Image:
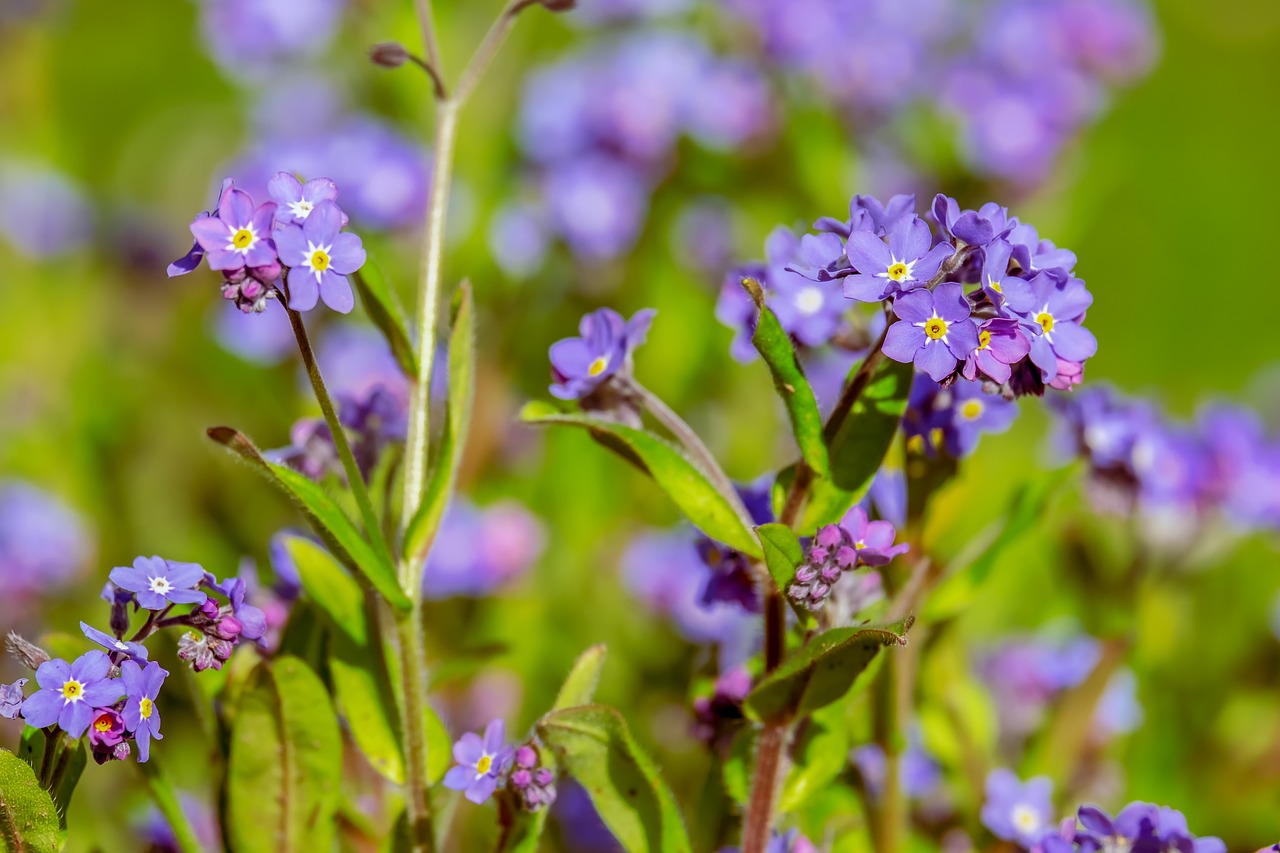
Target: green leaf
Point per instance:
(324, 515)
(285, 764)
(593, 745)
(422, 528)
(862, 439)
(701, 503)
(73, 756)
(329, 586)
(821, 754)
(783, 554)
(822, 671)
(738, 765)
(580, 686)
(384, 310)
(772, 342)
(28, 817)
(361, 689)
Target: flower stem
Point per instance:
(170, 806)
(52, 744)
(354, 478)
(757, 827)
(413, 689)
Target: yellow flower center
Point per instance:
(319, 260)
(483, 765)
(935, 436)
(1025, 819)
(1045, 319)
(936, 328)
(242, 239)
(146, 707)
(598, 366)
(860, 544)
(984, 339)
(915, 444)
(103, 723)
(898, 271)
(971, 409)
(995, 285)
(72, 690)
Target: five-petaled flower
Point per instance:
(872, 543)
(480, 762)
(1015, 810)
(159, 582)
(581, 365)
(141, 686)
(240, 235)
(933, 330)
(136, 651)
(1054, 318)
(320, 256)
(295, 200)
(909, 260)
(69, 693)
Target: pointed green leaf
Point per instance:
(329, 586)
(774, 344)
(782, 555)
(683, 482)
(822, 671)
(68, 765)
(285, 764)
(820, 755)
(859, 442)
(28, 817)
(592, 743)
(384, 310)
(580, 686)
(324, 515)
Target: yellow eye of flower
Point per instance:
(146, 707)
(72, 690)
(598, 366)
(1045, 319)
(936, 328)
(319, 260)
(103, 723)
(242, 239)
(984, 339)
(898, 271)
(971, 409)
(483, 765)
(995, 285)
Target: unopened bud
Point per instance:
(28, 654)
(388, 54)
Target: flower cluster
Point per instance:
(1019, 78)
(486, 763)
(600, 129)
(838, 549)
(951, 420)
(295, 241)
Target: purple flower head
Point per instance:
(933, 330)
(790, 841)
(921, 773)
(191, 260)
(479, 550)
(480, 762)
(581, 365)
(1000, 287)
(1015, 810)
(810, 311)
(736, 309)
(518, 239)
(69, 693)
(141, 686)
(159, 582)
(1055, 318)
(204, 651)
(872, 540)
(320, 256)
(722, 710)
(105, 733)
(11, 699)
(295, 200)
(43, 543)
(133, 651)
(251, 39)
(597, 204)
(908, 261)
(974, 412)
(312, 452)
(253, 622)
(1001, 344)
(972, 227)
(240, 235)
(534, 785)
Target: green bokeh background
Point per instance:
(108, 376)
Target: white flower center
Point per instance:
(1025, 819)
(160, 585)
(301, 209)
(809, 301)
(121, 646)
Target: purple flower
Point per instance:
(933, 330)
(479, 550)
(43, 543)
(597, 204)
(581, 365)
(240, 235)
(134, 651)
(872, 540)
(1141, 826)
(320, 256)
(810, 311)
(534, 785)
(973, 412)
(312, 452)
(295, 200)
(1000, 287)
(159, 582)
(920, 772)
(191, 260)
(972, 227)
(11, 699)
(141, 716)
(1054, 317)
(1001, 344)
(69, 693)
(106, 734)
(518, 239)
(908, 261)
(480, 762)
(1015, 810)
(253, 622)
(250, 39)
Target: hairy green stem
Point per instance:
(414, 693)
(757, 828)
(166, 799)
(52, 744)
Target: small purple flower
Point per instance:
(11, 699)
(43, 542)
(1001, 344)
(1054, 317)
(135, 651)
(253, 622)
(1000, 287)
(479, 550)
(204, 651)
(141, 686)
(480, 762)
(312, 452)
(933, 330)
(722, 711)
(191, 260)
(106, 734)
(534, 785)
(240, 235)
(974, 412)
(1015, 810)
(69, 693)
(295, 200)
(908, 261)
(581, 365)
(872, 540)
(159, 582)
(320, 256)
(972, 227)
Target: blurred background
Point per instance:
(626, 155)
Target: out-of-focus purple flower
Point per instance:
(11, 697)
(810, 311)
(920, 773)
(888, 494)
(1001, 343)
(479, 550)
(295, 200)
(790, 841)
(597, 204)
(480, 762)
(157, 835)
(134, 651)
(320, 256)
(518, 239)
(723, 708)
(1025, 675)
(730, 105)
(262, 338)
(312, 451)
(975, 412)
(702, 234)
(731, 579)
(69, 693)
(1015, 810)
(933, 330)
(250, 39)
(159, 582)
(288, 583)
(356, 359)
(580, 823)
(42, 213)
(908, 261)
(581, 365)
(240, 235)
(43, 543)
(141, 716)
(595, 12)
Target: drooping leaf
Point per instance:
(324, 515)
(774, 344)
(859, 442)
(285, 764)
(384, 310)
(822, 671)
(592, 743)
(425, 523)
(28, 816)
(683, 482)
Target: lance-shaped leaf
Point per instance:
(683, 482)
(820, 754)
(285, 767)
(774, 344)
(66, 766)
(783, 554)
(822, 671)
(324, 515)
(858, 442)
(593, 745)
(384, 310)
(425, 523)
(28, 817)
